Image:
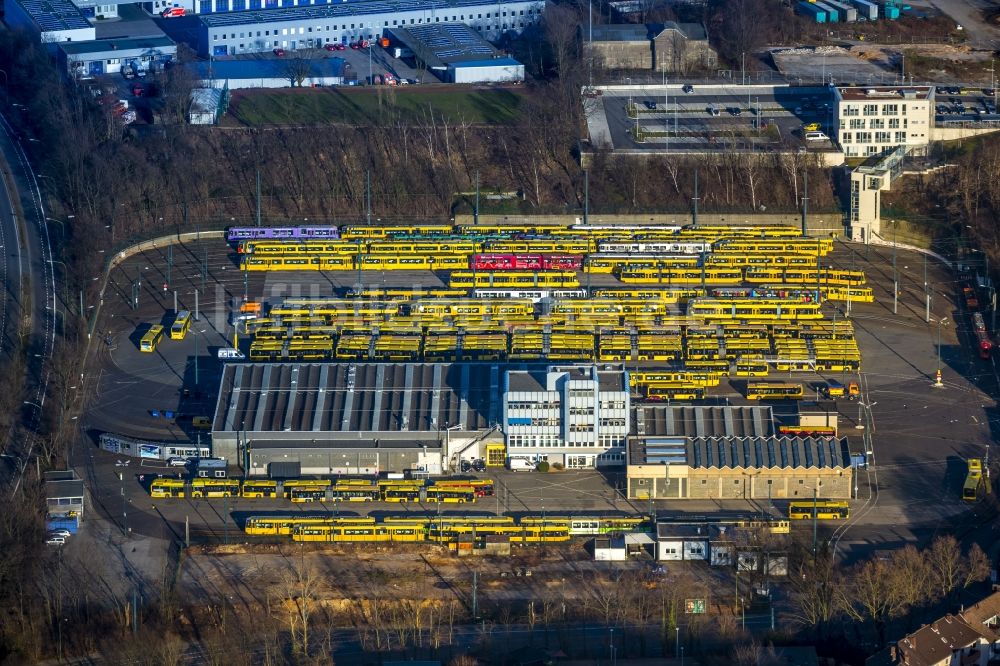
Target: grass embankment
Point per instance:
(365, 106)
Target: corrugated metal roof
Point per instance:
(768, 452)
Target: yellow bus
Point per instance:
(215, 488)
(167, 488)
(451, 494)
(751, 368)
(151, 338)
(774, 391)
(259, 488)
(973, 481)
(824, 510)
(181, 325)
(680, 392)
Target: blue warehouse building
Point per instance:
(301, 27)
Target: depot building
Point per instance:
(731, 452)
(292, 419)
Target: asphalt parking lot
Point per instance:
(710, 116)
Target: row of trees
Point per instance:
(902, 584)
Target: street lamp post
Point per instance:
(937, 379)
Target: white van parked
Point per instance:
(520, 465)
(816, 136)
(231, 353)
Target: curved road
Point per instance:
(28, 270)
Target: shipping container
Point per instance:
(812, 11)
(868, 10)
(848, 14)
(832, 16)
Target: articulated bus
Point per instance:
(151, 338)
(973, 481)
(182, 324)
(774, 391)
(167, 488)
(823, 509)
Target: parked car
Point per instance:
(177, 461)
(202, 423)
(465, 467)
(479, 465)
(55, 541)
(173, 12)
(65, 534)
(688, 89)
(137, 90)
(811, 127)
(330, 47)
(340, 47)
(650, 104)
(734, 111)
(279, 52)
(354, 45)
(816, 136)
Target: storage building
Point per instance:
(662, 47)
(84, 60)
(289, 72)
(456, 53)
(51, 21)
(288, 419)
(700, 452)
(64, 494)
(309, 26)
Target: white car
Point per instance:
(65, 534)
(177, 461)
(230, 352)
(55, 541)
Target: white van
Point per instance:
(816, 136)
(230, 352)
(520, 465)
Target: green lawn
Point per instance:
(365, 106)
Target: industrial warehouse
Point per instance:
(345, 418)
(314, 26)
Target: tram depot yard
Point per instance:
(700, 323)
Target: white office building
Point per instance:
(875, 120)
(576, 416)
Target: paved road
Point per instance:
(34, 261)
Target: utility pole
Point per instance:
(196, 315)
(170, 263)
(815, 511)
(477, 197)
(258, 197)
(368, 197)
(590, 39)
(805, 201)
(895, 275)
(694, 200)
(475, 594)
(586, 196)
